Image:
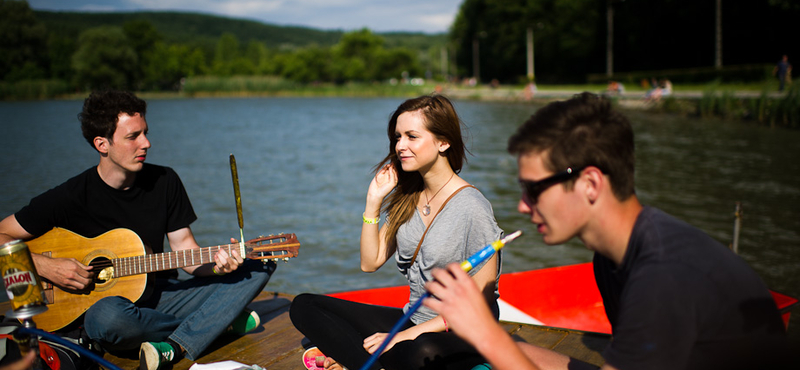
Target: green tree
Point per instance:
(258, 56)
(225, 54)
(362, 43)
(23, 41)
(277, 62)
(143, 37)
(355, 56)
(308, 65)
(785, 4)
(393, 62)
(567, 34)
(229, 59)
(104, 59)
(59, 51)
(167, 65)
(195, 63)
(142, 34)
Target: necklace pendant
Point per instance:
(426, 210)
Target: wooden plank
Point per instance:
(584, 346)
(275, 340)
(292, 361)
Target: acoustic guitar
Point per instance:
(121, 263)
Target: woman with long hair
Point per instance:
(433, 218)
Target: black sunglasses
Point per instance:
(532, 189)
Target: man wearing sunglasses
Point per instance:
(675, 297)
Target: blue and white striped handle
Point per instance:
(473, 260)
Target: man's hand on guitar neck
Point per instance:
(227, 263)
(223, 262)
(65, 273)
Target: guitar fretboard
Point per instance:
(167, 261)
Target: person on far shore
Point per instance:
(615, 88)
(529, 91)
(675, 297)
(660, 89)
(784, 72)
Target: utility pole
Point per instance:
(718, 51)
(610, 39)
(530, 54)
(476, 69)
(444, 64)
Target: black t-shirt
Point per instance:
(156, 204)
(681, 300)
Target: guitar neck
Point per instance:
(168, 261)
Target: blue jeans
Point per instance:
(192, 312)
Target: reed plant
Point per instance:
(706, 106)
(787, 109)
(243, 84)
(33, 89)
(783, 111)
(766, 109)
(727, 105)
(278, 86)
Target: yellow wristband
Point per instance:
(214, 270)
(370, 221)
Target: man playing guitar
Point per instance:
(178, 318)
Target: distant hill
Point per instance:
(203, 29)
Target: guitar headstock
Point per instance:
(281, 246)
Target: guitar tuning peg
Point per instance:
(286, 260)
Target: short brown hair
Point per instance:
(101, 112)
(579, 132)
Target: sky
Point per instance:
(429, 16)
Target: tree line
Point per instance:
(570, 36)
(157, 50)
(135, 55)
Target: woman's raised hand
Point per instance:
(383, 182)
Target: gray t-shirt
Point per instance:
(464, 226)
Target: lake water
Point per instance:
(304, 166)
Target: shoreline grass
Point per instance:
(758, 102)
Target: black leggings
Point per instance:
(338, 328)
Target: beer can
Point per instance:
(23, 285)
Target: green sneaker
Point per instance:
(246, 322)
(155, 355)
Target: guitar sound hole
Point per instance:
(103, 269)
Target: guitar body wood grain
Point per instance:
(63, 306)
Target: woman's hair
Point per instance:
(443, 122)
(101, 112)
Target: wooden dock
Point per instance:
(277, 345)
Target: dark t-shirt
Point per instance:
(681, 300)
(783, 68)
(156, 204)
